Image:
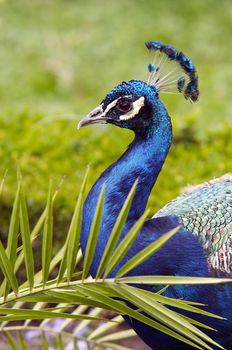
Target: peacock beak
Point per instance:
(97, 116)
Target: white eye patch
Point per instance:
(137, 105)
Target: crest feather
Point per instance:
(171, 71)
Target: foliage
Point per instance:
(56, 148)
(62, 288)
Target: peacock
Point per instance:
(203, 245)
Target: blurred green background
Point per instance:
(58, 59)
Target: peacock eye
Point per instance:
(124, 105)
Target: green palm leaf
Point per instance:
(12, 241)
(79, 299)
(7, 269)
(93, 235)
(26, 238)
(117, 229)
(47, 237)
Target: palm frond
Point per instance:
(69, 308)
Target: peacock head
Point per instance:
(135, 104)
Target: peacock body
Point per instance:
(203, 246)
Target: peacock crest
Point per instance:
(170, 71)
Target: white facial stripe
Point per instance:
(111, 105)
(137, 105)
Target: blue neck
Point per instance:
(143, 160)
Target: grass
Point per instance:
(58, 59)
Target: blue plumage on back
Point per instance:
(203, 246)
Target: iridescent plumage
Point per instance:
(202, 246)
(206, 211)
